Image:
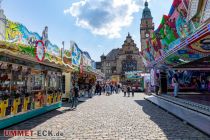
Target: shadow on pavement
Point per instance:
(37, 120)
(31, 123)
(171, 126)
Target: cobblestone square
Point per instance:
(109, 118)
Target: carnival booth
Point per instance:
(30, 74)
(135, 79)
(180, 46)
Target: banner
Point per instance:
(76, 54)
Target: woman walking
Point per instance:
(108, 89)
(175, 85)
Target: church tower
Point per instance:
(146, 26)
(2, 23)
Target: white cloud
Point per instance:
(104, 17)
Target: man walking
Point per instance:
(75, 95)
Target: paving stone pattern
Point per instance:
(109, 118)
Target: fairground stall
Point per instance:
(181, 45)
(83, 72)
(88, 74)
(30, 73)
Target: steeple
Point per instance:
(0, 4)
(2, 23)
(129, 36)
(146, 12)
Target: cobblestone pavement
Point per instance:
(112, 117)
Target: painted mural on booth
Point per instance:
(18, 33)
(175, 27)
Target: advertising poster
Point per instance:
(76, 54)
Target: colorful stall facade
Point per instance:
(32, 72)
(181, 41)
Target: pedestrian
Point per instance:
(203, 86)
(133, 90)
(75, 95)
(124, 90)
(118, 87)
(209, 86)
(157, 84)
(108, 89)
(198, 84)
(175, 85)
(111, 86)
(89, 90)
(128, 90)
(97, 89)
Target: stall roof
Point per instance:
(177, 40)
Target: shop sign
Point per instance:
(40, 51)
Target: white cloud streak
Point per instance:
(104, 17)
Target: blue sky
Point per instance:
(97, 26)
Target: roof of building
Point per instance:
(112, 54)
(146, 12)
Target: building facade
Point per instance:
(121, 60)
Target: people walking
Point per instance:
(98, 89)
(108, 89)
(175, 85)
(89, 90)
(75, 95)
(128, 90)
(133, 90)
(124, 90)
(157, 84)
(118, 88)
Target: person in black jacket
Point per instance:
(75, 95)
(98, 89)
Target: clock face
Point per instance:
(40, 51)
(147, 35)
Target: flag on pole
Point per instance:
(62, 50)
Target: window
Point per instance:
(129, 52)
(108, 71)
(108, 64)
